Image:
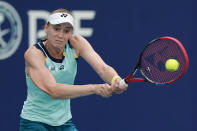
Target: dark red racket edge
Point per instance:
(185, 56)
(129, 78)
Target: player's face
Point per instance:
(58, 35)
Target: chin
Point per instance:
(60, 45)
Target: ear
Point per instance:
(46, 27)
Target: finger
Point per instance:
(116, 83)
(102, 91)
(119, 92)
(108, 90)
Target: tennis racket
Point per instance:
(151, 62)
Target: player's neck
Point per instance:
(54, 51)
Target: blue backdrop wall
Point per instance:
(117, 30)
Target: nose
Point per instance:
(60, 34)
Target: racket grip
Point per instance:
(123, 83)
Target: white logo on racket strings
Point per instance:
(10, 30)
(147, 69)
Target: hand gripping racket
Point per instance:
(151, 62)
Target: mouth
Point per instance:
(59, 41)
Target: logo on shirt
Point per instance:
(10, 30)
(53, 68)
(61, 67)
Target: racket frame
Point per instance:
(130, 78)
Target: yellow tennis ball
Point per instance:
(172, 65)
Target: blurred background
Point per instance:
(117, 30)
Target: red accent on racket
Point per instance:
(151, 62)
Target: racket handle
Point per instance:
(123, 83)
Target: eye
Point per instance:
(66, 30)
(56, 28)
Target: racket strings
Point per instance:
(154, 57)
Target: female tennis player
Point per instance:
(50, 73)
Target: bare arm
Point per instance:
(106, 72)
(43, 79)
(84, 49)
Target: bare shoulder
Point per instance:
(79, 43)
(76, 38)
(33, 54)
